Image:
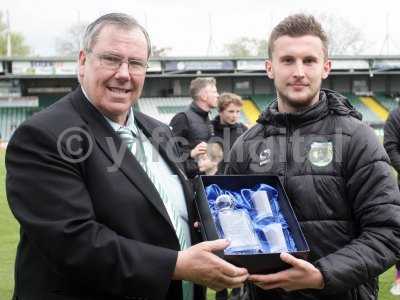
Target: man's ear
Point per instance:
(81, 63)
(327, 68)
(202, 95)
(268, 68)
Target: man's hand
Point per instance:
(302, 275)
(201, 148)
(199, 265)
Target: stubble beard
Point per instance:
(297, 104)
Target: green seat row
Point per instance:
(11, 118)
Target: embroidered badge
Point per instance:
(265, 157)
(321, 153)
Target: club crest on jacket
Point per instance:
(321, 153)
(265, 156)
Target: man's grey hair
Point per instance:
(116, 19)
(196, 85)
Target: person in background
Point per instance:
(209, 161)
(391, 142)
(227, 126)
(193, 125)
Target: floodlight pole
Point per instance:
(9, 46)
(210, 39)
(386, 40)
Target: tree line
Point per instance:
(344, 37)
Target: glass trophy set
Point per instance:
(251, 219)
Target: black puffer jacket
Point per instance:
(226, 135)
(194, 126)
(337, 176)
(227, 132)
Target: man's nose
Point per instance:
(299, 69)
(123, 71)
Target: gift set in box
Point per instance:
(254, 213)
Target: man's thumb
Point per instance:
(216, 245)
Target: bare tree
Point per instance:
(246, 47)
(18, 44)
(344, 37)
(157, 52)
(70, 44)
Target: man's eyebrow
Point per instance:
(286, 56)
(136, 60)
(110, 53)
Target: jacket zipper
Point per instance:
(288, 149)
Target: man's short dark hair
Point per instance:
(296, 26)
(117, 19)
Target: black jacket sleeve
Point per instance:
(374, 197)
(180, 129)
(391, 140)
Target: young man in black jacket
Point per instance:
(227, 127)
(334, 169)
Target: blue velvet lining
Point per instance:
(242, 199)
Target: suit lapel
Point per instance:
(108, 141)
(161, 140)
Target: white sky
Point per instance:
(184, 26)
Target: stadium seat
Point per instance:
(386, 101)
(262, 101)
(11, 118)
(164, 108)
(368, 116)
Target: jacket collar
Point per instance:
(219, 126)
(216, 122)
(329, 102)
(194, 107)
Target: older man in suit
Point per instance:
(105, 212)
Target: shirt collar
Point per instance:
(130, 123)
(199, 110)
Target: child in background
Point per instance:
(208, 162)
